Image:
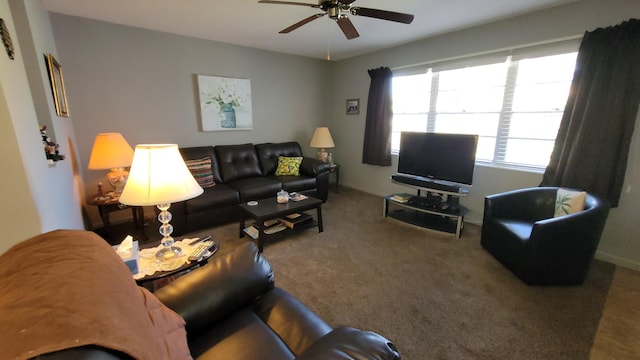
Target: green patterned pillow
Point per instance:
(569, 202)
(289, 165)
(201, 171)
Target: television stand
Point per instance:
(423, 183)
(430, 208)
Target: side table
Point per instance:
(160, 278)
(107, 205)
(335, 169)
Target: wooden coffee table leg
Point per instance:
(261, 234)
(319, 212)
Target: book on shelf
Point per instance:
(292, 220)
(251, 231)
(274, 229)
(403, 197)
(271, 222)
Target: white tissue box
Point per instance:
(132, 260)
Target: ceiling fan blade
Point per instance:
(347, 2)
(302, 22)
(288, 3)
(347, 28)
(383, 14)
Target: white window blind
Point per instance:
(513, 101)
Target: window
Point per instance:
(514, 103)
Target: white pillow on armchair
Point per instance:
(569, 202)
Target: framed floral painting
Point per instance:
(225, 103)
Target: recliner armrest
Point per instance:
(227, 283)
(350, 343)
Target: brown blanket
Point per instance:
(69, 288)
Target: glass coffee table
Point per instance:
(267, 211)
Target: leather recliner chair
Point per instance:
(68, 295)
(519, 229)
(233, 311)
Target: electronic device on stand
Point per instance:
(430, 208)
(437, 166)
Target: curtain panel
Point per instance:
(592, 145)
(377, 132)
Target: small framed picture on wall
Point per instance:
(353, 106)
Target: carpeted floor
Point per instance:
(434, 295)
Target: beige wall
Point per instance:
(37, 197)
(618, 243)
(143, 84)
(18, 213)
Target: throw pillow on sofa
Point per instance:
(289, 165)
(201, 171)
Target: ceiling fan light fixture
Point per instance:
(333, 12)
(339, 10)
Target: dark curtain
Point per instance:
(377, 131)
(592, 146)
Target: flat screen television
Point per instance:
(438, 156)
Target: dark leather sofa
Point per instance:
(519, 229)
(242, 173)
(230, 309)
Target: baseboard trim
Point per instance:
(600, 255)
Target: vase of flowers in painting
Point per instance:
(228, 115)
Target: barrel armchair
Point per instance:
(520, 230)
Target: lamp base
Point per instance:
(118, 179)
(168, 252)
(322, 155)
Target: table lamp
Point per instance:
(160, 177)
(112, 151)
(322, 139)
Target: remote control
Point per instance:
(210, 251)
(208, 237)
(201, 250)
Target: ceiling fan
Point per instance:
(339, 10)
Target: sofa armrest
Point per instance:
(313, 167)
(227, 283)
(350, 343)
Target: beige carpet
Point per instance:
(434, 295)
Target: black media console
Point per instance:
(435, 206)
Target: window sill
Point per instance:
(533, 170)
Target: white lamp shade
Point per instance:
(110, 150)
(158, 175)
(322, 138)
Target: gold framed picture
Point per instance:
(57, 86)
(353, 106)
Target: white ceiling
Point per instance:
(247, 23)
